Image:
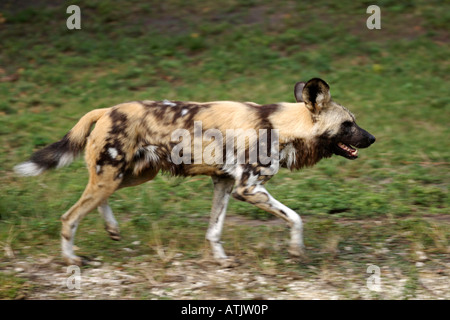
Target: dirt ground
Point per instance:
(173, 275)
(202, 279)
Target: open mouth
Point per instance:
(348, 151)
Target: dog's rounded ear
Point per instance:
(298, 91)
(315, 94)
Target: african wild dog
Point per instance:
(131, 143)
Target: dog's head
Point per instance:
(334, 125)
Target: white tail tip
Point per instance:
(28, 169)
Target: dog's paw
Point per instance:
(228, 262)
(114, 234)
(298, 253)
(74, 260)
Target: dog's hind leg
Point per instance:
(222, 190)
(129, 180)
(99, 188)
(111, 225)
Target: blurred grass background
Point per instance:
(395, 80)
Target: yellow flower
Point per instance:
(377, 68)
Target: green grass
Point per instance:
(395, 80)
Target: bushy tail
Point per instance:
(63, 152)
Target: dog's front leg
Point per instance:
(222, 190)
(251, 190)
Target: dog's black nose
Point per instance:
(371, 139)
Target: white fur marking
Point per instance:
(98, 168)
(220, 202)
(28, 169)
(150, 153)
(107, 214)
(184, 112)
(113, 152)
(288, 155)
(67, 245)
(233, 170)
(294, 218)
(253, 181)
(215, 228)
(65, 160)
(169, 103)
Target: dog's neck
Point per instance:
(294, 121)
